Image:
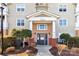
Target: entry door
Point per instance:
(41, 39)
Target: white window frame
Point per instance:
(45, 27)
(20, 22)
(62, 6)
(62, 24)
(20, 6)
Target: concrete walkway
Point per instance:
(43, 50)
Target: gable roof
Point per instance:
(42, 12)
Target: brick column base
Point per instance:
(53, 42)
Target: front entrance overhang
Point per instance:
(42, 19)
(44, 16)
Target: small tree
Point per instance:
(21, 33)
(16, 33)
(29, 33)
(65, 36)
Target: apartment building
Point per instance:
(46, 20)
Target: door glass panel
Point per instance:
(42, 38)
(37, 38)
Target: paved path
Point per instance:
(43, 50)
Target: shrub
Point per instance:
(7, 42)
(73, 42)
(61, 48)
(65, 36)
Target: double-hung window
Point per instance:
(62, 8)
(42, 27)
(63, 22)
(20, 22)
(20, 7)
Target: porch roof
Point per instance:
(42, 12)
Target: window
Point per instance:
(20, 7)
(42, 27)
(63, 22)
(20, 22)
(62, 8)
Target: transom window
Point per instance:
(20, 7)
(62, 8)
(63, 22)
(42, 27)
(20, 22)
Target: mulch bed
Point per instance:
(33, 51)
(69, 53)
(54, 51)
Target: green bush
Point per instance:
(65, 36)
(73, 42)
(7, 42)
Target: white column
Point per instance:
(5, 24)
(30, 25)
(53, 29)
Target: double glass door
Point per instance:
(41, 39)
